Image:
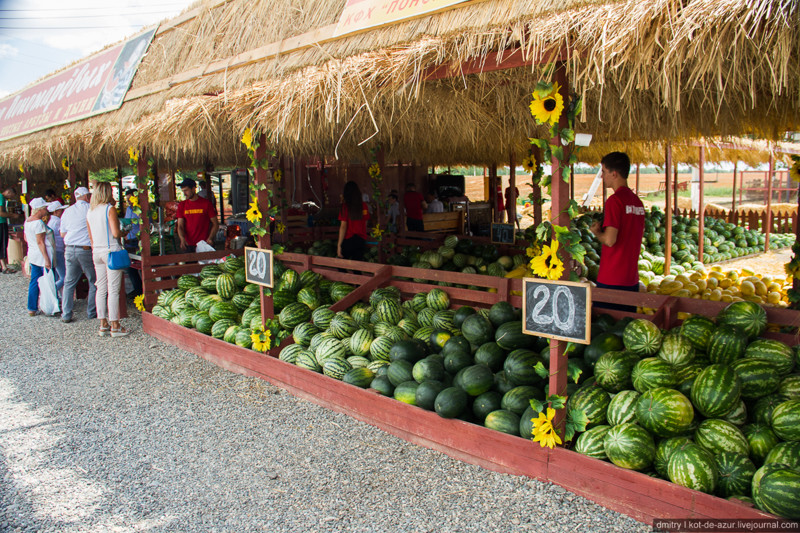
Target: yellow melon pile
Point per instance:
(721, 285)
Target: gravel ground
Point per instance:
(119, 435)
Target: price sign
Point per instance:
(558, 310)
(258, 266)
(503, 234)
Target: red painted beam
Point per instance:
(493, 61)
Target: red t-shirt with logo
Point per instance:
(355, 227)
(198, 214)
(413, 202)
(619, 264)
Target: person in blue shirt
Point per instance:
(132, 242)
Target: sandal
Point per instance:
(33, 313)
(104, 331)
(9, 271)
(121, 332)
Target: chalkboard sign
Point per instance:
(503, 233)
(258, 266)
(557, 309)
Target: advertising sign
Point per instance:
(362, 14)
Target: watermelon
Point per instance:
(329, 347)
(251, 288)
(209, 284)
(358, 361)
(502, 312)
(762, 410)
(476, 329)
(426, 394)
(758, 377)
(204, 323)
(400, 371)
(425, 317)
(437, 339)
(220, 310)
(210, 271)
(778, 353)
(720, 436)
(336, 367)
(747, 317)
(380, 348)
(428, 369)
(186, 317)
(692, 466)
(503, 421)
(664, 451)
(613, 370)
(787, 453)
(382, 385)
(406, 392)
(486, 403)
(716, 391)
(360, 342)
(220, 327)
(726, 345)
(232, 264)
(360, 377)
(339, 290)
(475, 379)
(188, 281)
(664, 412)
(685, 376)
(242, 301)
(519, 367)
(676, 350)
(306, 359)
(738, 415)
(790, 387)
(452, 402)
(525, 422)
(322, 316)
(697, 329)
(282, 298)
(622, 408)
(778, 490)
(444, 320)
(438, 300)
(409, 326)
(761, 439)
(388, 310)
(785, 420)
(304, 332)
(461, 314)
(642, 337)
(593, 401)
(491, 355)
(226, 286)
(309, 297)
(289, 353)
(294, 314)
(629, 446)
(407, 350)
(602, 343)
(509, 336)
(591, 442)
(519, 398)
(652, 372)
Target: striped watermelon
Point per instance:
(717, 436)
(519, 368)
(738, 415)
(220, 310)
(664, 412)
(778, 490)
(716, 391)
(206, 302)
(664, 451)
(251, 289)
(330, 347)
(243, 338)
(290, 281)
(360, 377)
(762, 410)
(310, 297)
(220, 327)
(747, 317)
(423, 334)
(186, 317)
(380, 348)
(697, 329)
(438, 300)
(622, 408)
(734, 474)
(322, 316)
(225, 285)
(758, 376)
(289, 353)
(790, 387)
(232, 264)
(778, 353)
(361, 341)
(444, 320)
(629, 446)
(230, 334)
(591, 442)
(203, 324)
(309, 277)
(249, 314)
(676, 350)
(242, 301)
(787, 453)
(519, 398)
(209, 284)
(317, 339)
(294, 314)
(613, 370)
(761, 439)
(187, 281)
(652, 372)
(642, 337)
(342, 325)
(339, 290)
(210, 271)
(726, 345)
(419, 301)
(307, 360)
(358, 361)
(685, 376)
(303, 333)
(381, 328)
(693, 467)
(336, 367)
(786, 420)
(409, 326)
(240, 278)
(425, 317)
(194, 295)
(593, 401)
(388, 310)
(361, 314)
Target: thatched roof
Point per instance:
(649, 70)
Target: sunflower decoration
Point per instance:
(374, 171)
(22, 199)
(67, 197)
(548, 265)
(794, 170)
(529, 164)
(253, 214)
(533, 251)
(261, 340)
(547, 104)
(377, 232)
(134, 201)
(247, 138)
(277, 175)
(65, 164)
(543, 431)
(139, 302)
(133, 156)
(21, 168)
(280, 228)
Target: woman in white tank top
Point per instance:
(105, 234)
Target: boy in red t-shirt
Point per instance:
(197, 218)
(621, 231)
(414, 203)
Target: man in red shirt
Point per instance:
(197, 218)
(414, 204)
(621, 231)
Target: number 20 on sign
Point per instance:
(258, 266)
(558, 310)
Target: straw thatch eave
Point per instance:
(648, 70)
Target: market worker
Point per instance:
(434, 204)
(353, 215)
(511, 206)
(197, 218)
(621, 231)
(77, 255)
(8, 194)
(415, 205)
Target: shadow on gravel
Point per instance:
(16, 511)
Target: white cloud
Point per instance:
(6, 50)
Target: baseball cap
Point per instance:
(188, 182)
(55, 206)
(38, 203)
(81, 191)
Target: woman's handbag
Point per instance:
(118, 260)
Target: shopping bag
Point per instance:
(203, 247)
(48, 299)
(119, 260)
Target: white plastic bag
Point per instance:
(48, 299)
(203, 247)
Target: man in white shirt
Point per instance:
(77, 255)
(434, 205)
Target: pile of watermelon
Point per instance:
(709, 405)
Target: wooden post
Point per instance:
(145, 228)
(572, 182)
(558, 204)
(675, 189)
(668, 209)
(701, 208)
(72, 185)
(512, 189)
(537, 194)
(637, 178)
(768, 214)
(733, 197)
(741, 185)
(493, 191)
(265, 241)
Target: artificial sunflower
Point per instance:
(280, 228)
(543, 431)
(21, 168)
(67, 198)
(261, 340)
(377, 232)
(133, 155)
(139, 302)
(247, 138)
(374, 170)
(65, 164)
(548, 265)
(22, 199)
(253, 214)
(134, 201)
(529, 164)
(532, 251)
(794, 171)
(277, 175)
(547, 104)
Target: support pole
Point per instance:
(145, 229)
(675, 190)
(72, 185)
(668, 209)
(512, 184)
(637, 178)
(733, 216)
(768, 214)
(265, 241)
(701, 207)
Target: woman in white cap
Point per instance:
(55, 208)
(105, 234)
(41, 245)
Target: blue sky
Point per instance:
(38, 37)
